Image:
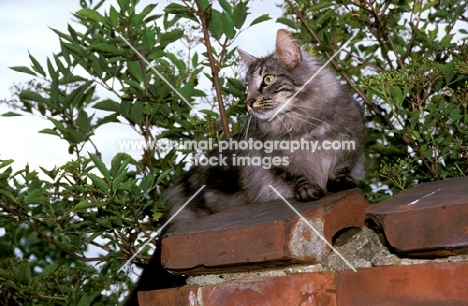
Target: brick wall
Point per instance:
(269, 255)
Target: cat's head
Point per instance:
(277, 84)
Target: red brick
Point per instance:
(424, 284)
(300, 289)
(182, 296)
(429, 220)
(262, 235)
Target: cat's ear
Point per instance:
(287, 51)
(247, 58)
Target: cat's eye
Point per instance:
(268, 79)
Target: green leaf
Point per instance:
(6, 163)
(116, 220)
(49, 269)
(147, 182)
(11, 114)
(148, 37)
(23, 273)
(99, 182)
(228, 26)
(260, 19)
(448, 72)
(135, 70)
(226, 6)
(427, 151)
(104, 222)
(54, 86)
(455, 115)
(320, 6)
(325, 16)
(50, 132)
(195, 60)
(106, 48)
(31, 195)
(93, 236)
(181, 10)
(163, 175)
(416, 135)
(100, 165)
(287, 22)
(4, 273)
(158, 53)
(216, 25)
(108, 105)
(126, 159)
(8, 194)
(81, 205)
(113, 16)
(31, 95)
(180, 64)
(117, 180)
(107, 119)
(170, 37)
(23, 69)
(125, 107)
(417, 7)
(136, 113)
(397, 95)
(139, 17)
(80, 95)
(91, 15)
(58, 124)
(433, 34)
(239, 14)
(83, 121)
(446, 40)
(36, 66)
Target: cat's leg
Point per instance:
(341, 180)
(304, 189)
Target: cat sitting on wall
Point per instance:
(284, 106)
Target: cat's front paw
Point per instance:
(308, 191)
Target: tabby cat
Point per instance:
(320, 110)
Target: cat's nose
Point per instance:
(250, 102)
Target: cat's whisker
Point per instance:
(246, 128)
(306, 117)
(309, 117)
(300, 119)
(289, 128)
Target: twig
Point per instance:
(214, 70)
(414, 32)
(380, 23)
(69, 252)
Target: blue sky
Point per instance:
(25, 27)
